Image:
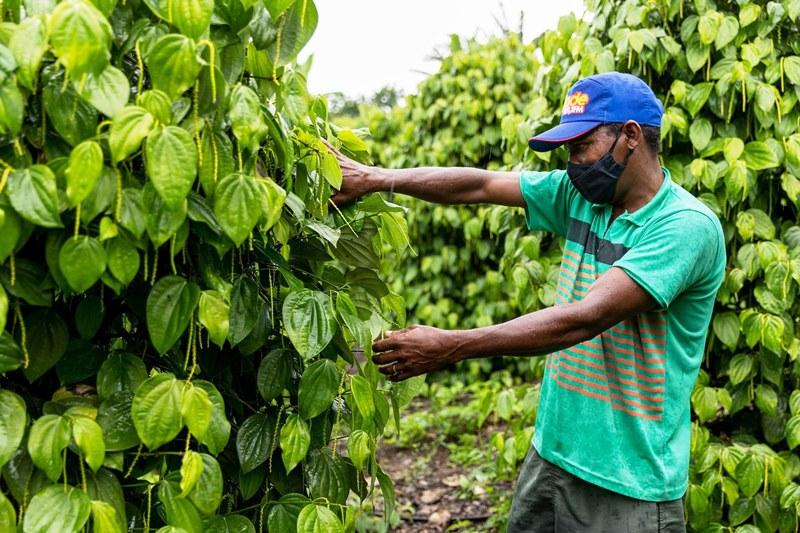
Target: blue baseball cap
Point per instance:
(601, 99)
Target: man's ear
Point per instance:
(633, 134)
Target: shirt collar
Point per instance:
(643, 214)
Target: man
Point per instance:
(641, 266)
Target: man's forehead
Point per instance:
(590, 136)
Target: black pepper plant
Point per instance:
(179, 300)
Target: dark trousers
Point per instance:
(550, 500)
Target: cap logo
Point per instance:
(575, 104)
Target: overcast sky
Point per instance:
(363, 45)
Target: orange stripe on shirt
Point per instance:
(611, 366)
(558, 379)
(573, 255)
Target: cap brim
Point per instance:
(558, 135)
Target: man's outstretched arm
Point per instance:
(418, 350)
(444, 185)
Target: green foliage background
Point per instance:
(729, 76)
(178, 301)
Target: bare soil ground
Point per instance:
(434, 494)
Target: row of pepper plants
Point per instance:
(185, 317)
(728, 73)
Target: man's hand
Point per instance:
(357, 179)
(416, 350)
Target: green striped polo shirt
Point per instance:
(614, 410)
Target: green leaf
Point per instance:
(359, 448)
(158, 104)
(766, 400)
(318, 388)
(219, 161)
(57, 508)
(296, 27)
(326, 476)
(162, 222)
(192, 17)
(295, 440)
(750, 474)
(274, 374)
(89, 438)
(132, 216)
(247, 121)
(83, 171)
(791, 65)
(740, 368)
(10, 231)
(759, 156)
(794, 402)
(82, 261)
(107, 91)
(81, 37)
(726, 327)
(179, 511)
(362, 394)
(120, 372)
(763, 228)
(748, 14)
(708, 26)
(793, 432)
(104, 518)
(3, 311)
(272, 201)
(28, 43)
(283, 515)
(700, 133)
(245, 306)
(173, 64)
(277, 7)
(13, 419)
(47, 342)
(114, 418)
(72, 118)
(49, 435)
(129, 128)
(254, 440)
(318, 519)
(330, 170)
(741, 510)
(697, 97)
(237, 205)
(219, 430)
(229, 524)
(697, 54)
(156, 410)
(11, 357)
(704, 402)
(213, 313)
(33, 195)
(12, 108)
(171, 158)
(207, 493)
(170, 306)
(728, 29)
(196, 409)
(309, 321)
(191, 468)
(8, 516)
(123, 260)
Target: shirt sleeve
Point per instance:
(674, 254)
(547, 197)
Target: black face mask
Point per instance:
(597, 181)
